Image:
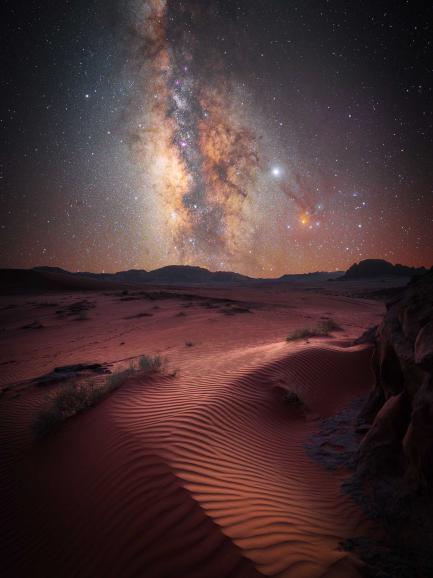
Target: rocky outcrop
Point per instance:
(370, 268)
(400, 406)
(395, 458)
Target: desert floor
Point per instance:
(199, 472)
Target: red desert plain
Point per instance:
(193, 467)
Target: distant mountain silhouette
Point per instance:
(187, 274)
(56, 278)
(380, 268)
(315, 276)
(170, 275)
(179, 274)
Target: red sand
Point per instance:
(200, 475)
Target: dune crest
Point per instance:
(239, 452)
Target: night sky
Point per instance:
(260, 136)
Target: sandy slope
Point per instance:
(200, 475)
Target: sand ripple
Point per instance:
(200, 476)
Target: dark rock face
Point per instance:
(401, 403)
(395, 458)
(380, 268)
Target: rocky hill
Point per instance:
(370, 268)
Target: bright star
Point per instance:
(276, 171)
(304, 219)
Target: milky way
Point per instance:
(200, 159)
(261, 136)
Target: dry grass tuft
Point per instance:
(322, 329)
(73, 399)
(67, 402)
(151, 364)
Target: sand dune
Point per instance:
(194, 478)
(202, 475)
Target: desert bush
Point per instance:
(151, 364)
(328, 326)
(304, 333)
(118, 378)
(45, 422)
(74, 399)
(71, 400)
(323, 328)
(146, 364)
(67, 402)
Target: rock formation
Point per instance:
(401, 403)
(395, 459)
(370, 268)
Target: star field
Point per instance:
(265, 137)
